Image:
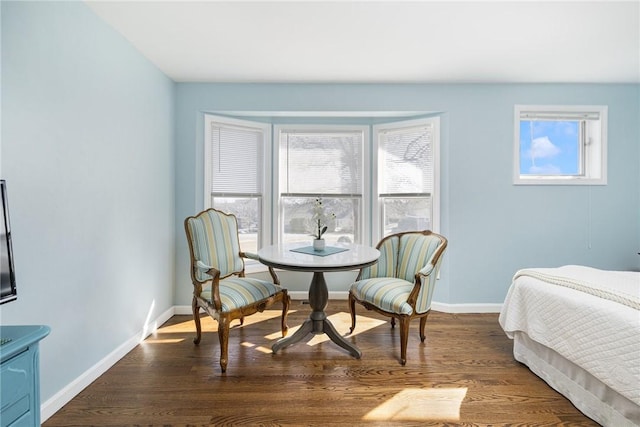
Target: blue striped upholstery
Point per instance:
(423, 301)
(386, 265)
(415, 251)
(237, 292)
(388, 283)
(388, 293)
(215, 243)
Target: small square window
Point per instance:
(561, 145)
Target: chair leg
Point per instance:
(404, 338)
(196, 320)
(223, 335)
(393, 322)
(352, 310)
(286, 301)
(423, 322)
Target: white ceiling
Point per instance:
(384, 41)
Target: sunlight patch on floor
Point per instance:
(342, 322)
(442, 404)
(210, 325)
(258, 317)
(256, 347)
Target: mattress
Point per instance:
(590, 320)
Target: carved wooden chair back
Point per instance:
(220, 287)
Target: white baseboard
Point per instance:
(466, 308)
(181, 310)
(64, 396)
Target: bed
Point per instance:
(578, 328)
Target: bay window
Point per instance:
(373, 180)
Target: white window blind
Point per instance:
(235, 159)
(234, 177)
(559, 115)
(406, 160)
(321, 163)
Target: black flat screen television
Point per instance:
(7, 273)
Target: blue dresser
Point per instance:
(20, 375)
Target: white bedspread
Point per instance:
(591, 317)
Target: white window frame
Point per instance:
(377, 217)
(593, 140)
(366, 166)
(264, 236)
(271, 227)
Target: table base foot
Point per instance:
(321, 326)
(330, 330)
(305, 329)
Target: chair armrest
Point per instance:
(202, 266)
(211, 271)
(426, 270)
(215, 283)
(253, 256)
(250, 255)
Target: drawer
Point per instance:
(17, 388)
(18, 414)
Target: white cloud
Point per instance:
(542, 148)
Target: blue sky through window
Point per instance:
(549, 147)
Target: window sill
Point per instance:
(559, 181)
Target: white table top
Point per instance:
(281, 256)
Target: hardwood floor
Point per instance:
(463, 374)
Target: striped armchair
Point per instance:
(220, 287)
(400, 285)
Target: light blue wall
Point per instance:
(494, 228)
(87, 151)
